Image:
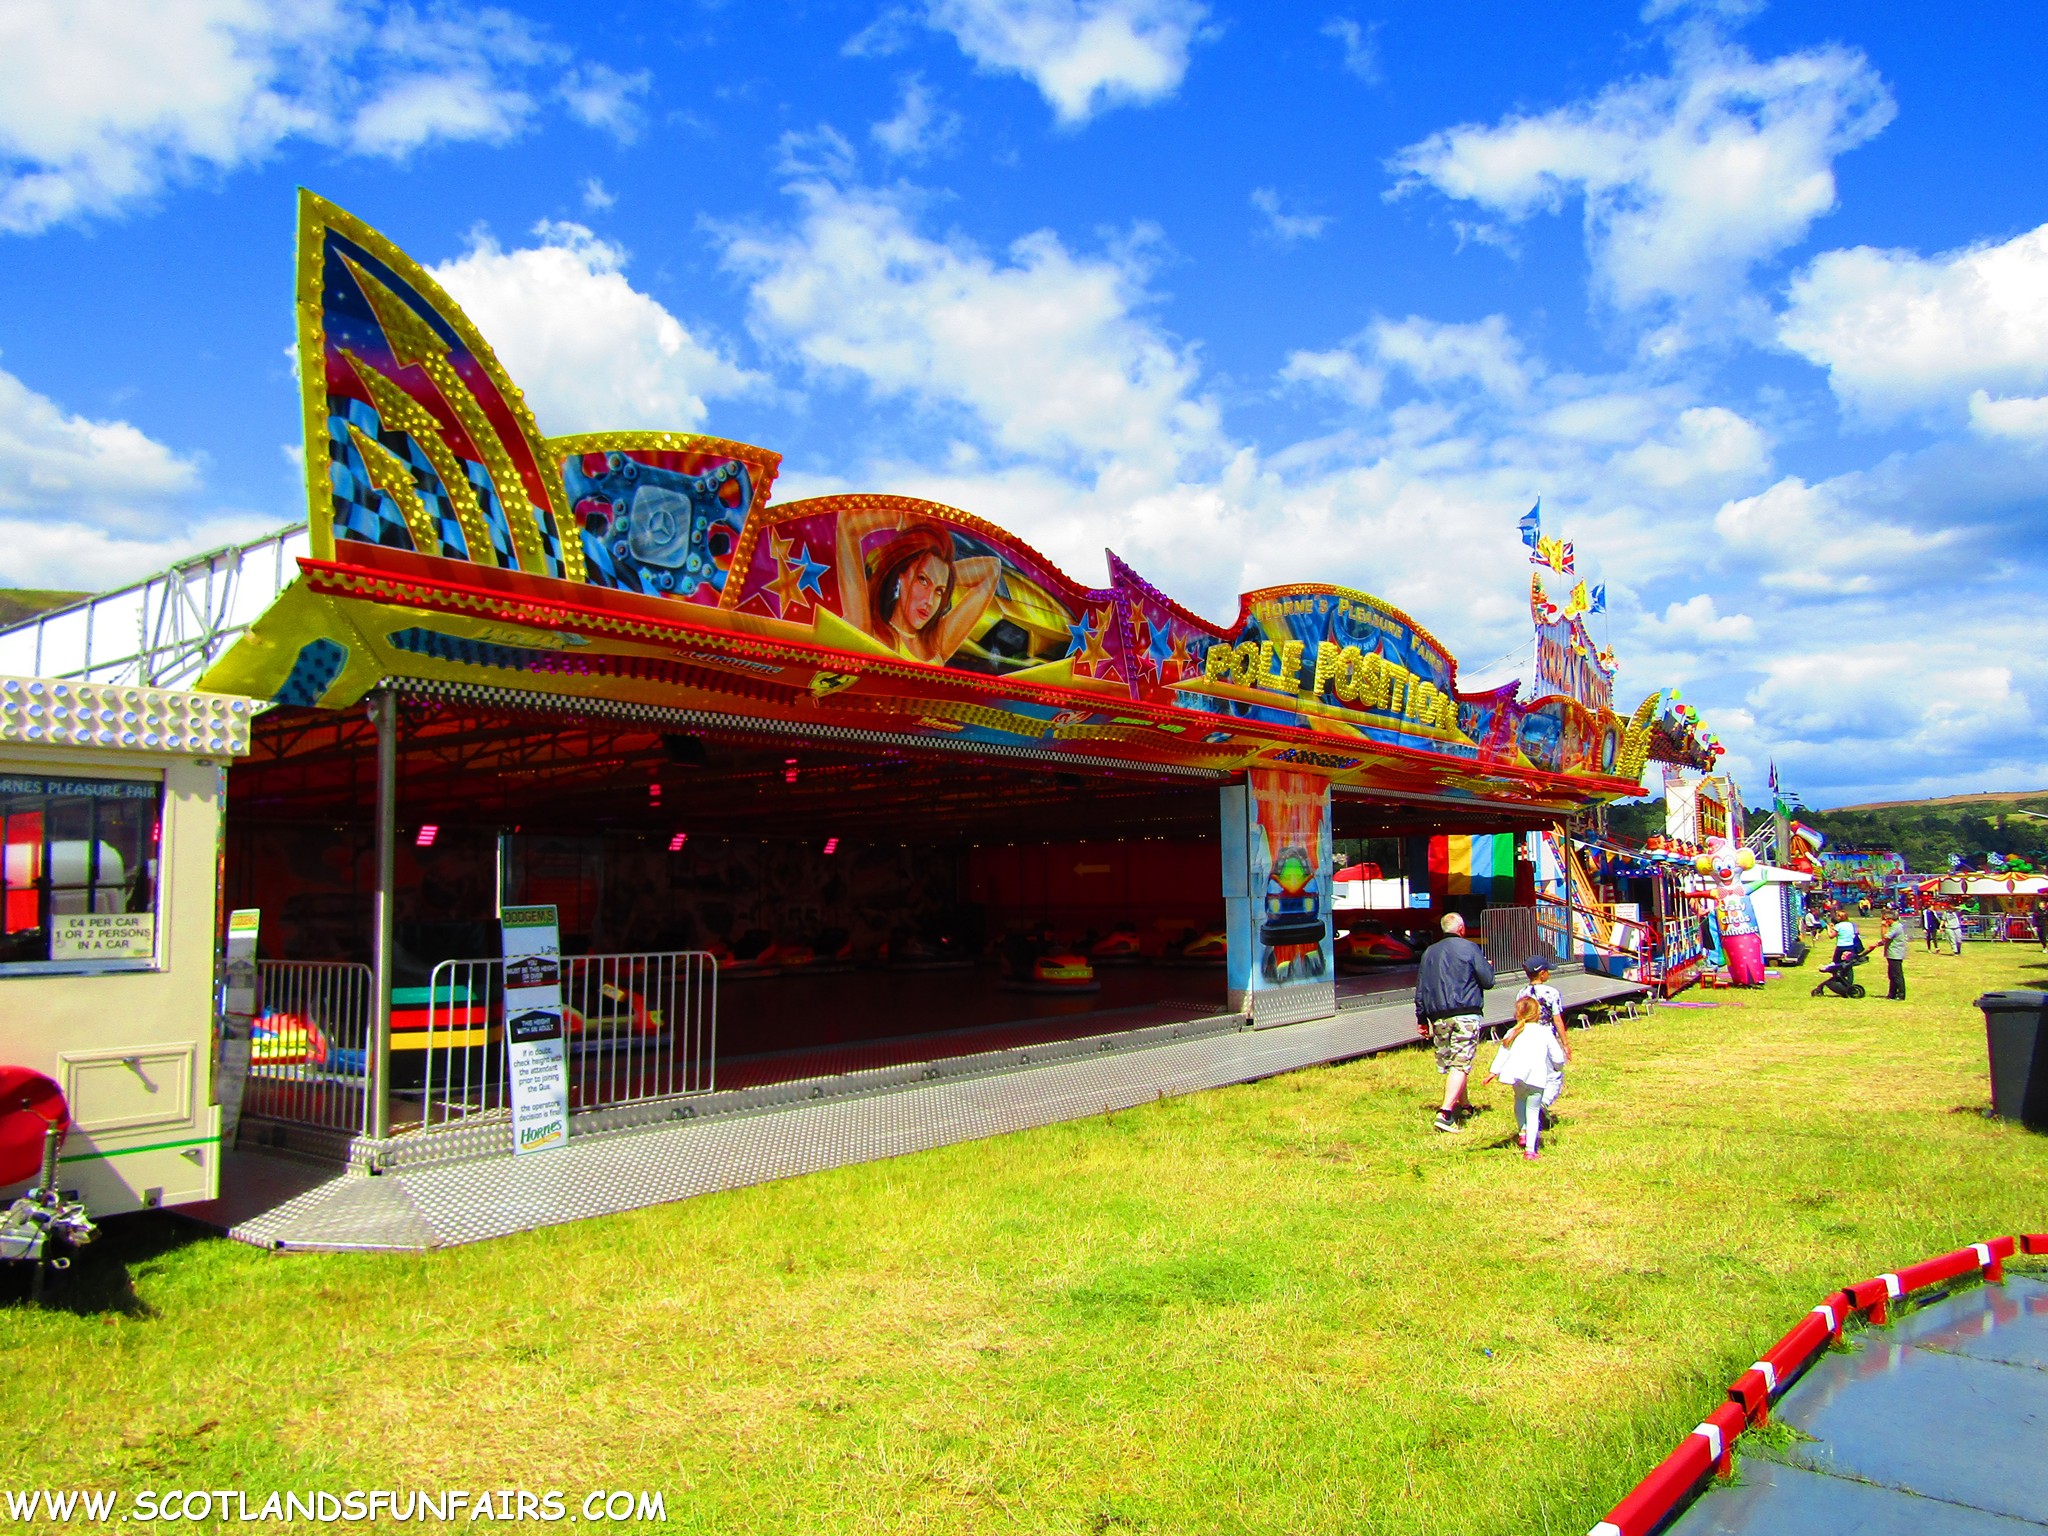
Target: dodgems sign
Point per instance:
(536, 1056)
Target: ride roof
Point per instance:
(456, 551)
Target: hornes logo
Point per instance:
(531, 1134)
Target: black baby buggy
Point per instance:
(1839, 977)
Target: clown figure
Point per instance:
(1725, 867)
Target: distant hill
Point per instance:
(1989, 797)
(21, 603)
(1925, 831)
(1928, 831)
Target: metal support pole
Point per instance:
(377, 1080)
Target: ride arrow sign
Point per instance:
(536, 1045)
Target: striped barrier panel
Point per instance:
(1710, 1448)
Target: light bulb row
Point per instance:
(53, 713)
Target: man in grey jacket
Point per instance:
(1895, 958)
(1450, 1000)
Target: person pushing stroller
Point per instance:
(1839, 974)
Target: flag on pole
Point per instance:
(1532, 524)
(1555, 553)
(1578, 602)
(1599, 599)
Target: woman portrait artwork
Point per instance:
(912, 593)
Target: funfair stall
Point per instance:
(782, 788)
(1999, 907)
(110, 817)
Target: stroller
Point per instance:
(1840, 977)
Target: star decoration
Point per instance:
(1077, 638)
(797, 582)
(1161, 644)
(809, 572)
(1093, 654)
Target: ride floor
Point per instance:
(815, 1024)
(1934, 1426)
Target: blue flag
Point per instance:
(1532, 524)
(1599, 604)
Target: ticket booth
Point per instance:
(110, 818)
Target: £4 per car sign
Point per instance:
(536, 1047)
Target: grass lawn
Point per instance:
(1284, 1307)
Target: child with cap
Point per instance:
(1551, 1003)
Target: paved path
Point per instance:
(1934, 1426)
(780, 1131)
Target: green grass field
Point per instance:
(1284, 1307)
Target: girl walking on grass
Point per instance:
(1531, 1061)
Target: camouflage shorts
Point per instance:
(1456, 1040)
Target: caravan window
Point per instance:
(79, 857)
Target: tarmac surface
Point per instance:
(1934, 1426)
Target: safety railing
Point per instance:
(307, 1049)
(1584, 931)
(1710, 1448)
(1510, 935)
(639, 1027)
(448, 1046)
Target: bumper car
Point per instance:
(1197, 950)
(1038, 962)
(755, 953)
(1370, 949)
(832, 950)
(919, 952)
(1121, 946)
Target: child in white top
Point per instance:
(1532, 1058)
(1537, 968)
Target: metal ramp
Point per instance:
(779, 1133)
(163, 631)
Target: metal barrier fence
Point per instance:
(1594, 932)
(641, 1026)
(312, 1033)
(1509, 935)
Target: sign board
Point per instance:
(238, 1007)
(103, 936)
(536, 1044)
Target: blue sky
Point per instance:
(1755, 298)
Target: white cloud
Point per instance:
(1689, 179)
(595, 195)
(1287, 227)
(1817, 547)
(1697, 621)
(1037, 387)
(590, 350)
(104, 103)
(1084, 56)
(1360, 45)
(71, 467)
(1484, 352)
(599, 96)
(2022, 417)
(1930, 701)
(1339, 371)
(920, 127)
(821, 152)
(1041, 349)
(68, 555)
(88, 504)
(1900, 332)
(1706, 443)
